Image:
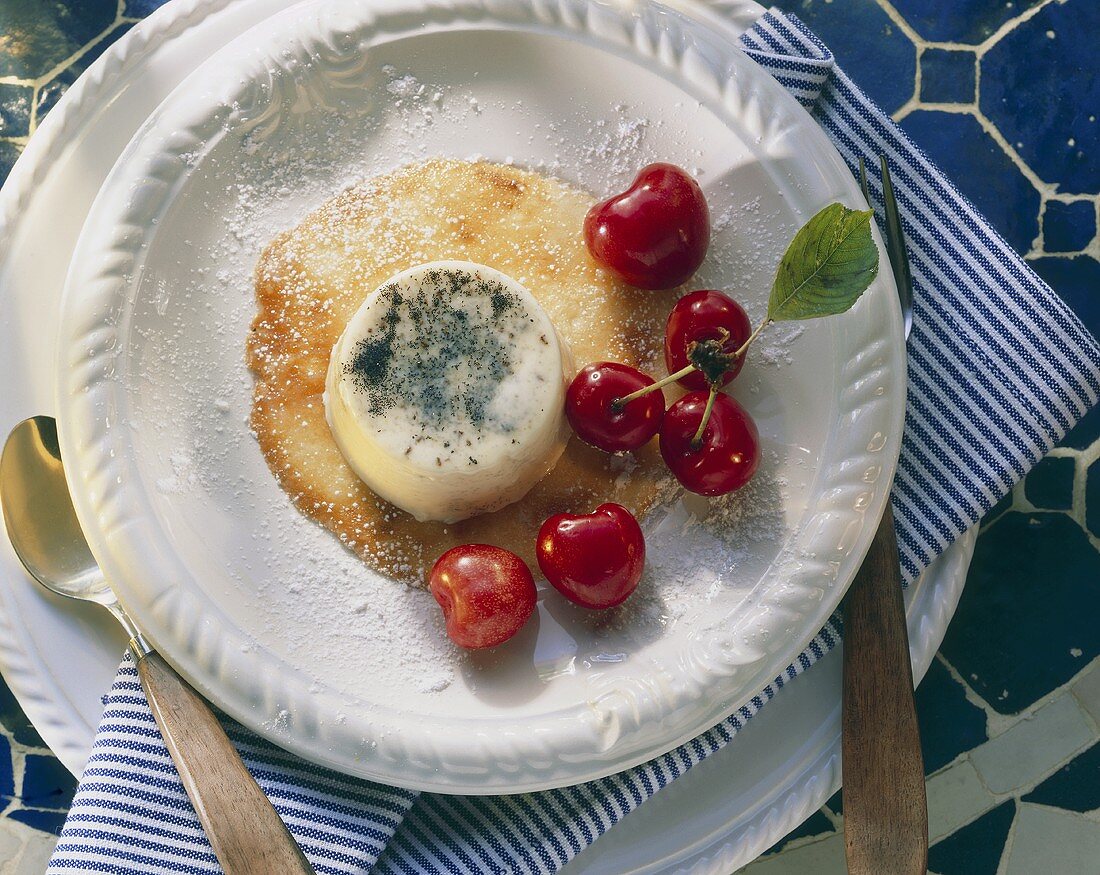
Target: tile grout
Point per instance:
(1010, 837)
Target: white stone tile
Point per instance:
(1033, 747)
(825, 857)
(1053, 842)
(11, 844)
(955, 796)
(36, 856)
(23, 851)
(1087, 690)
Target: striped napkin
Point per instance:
(999, 370)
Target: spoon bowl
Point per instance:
(244, 829)
(39, 515)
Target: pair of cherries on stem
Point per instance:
(487, 593)
(708, 441)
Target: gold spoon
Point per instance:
(245, 831)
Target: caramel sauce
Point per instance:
(312, 279)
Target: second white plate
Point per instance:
(266, 614)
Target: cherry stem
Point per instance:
(620, 403)
(697, 441)
(744, 346)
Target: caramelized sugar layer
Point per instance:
(312, 279)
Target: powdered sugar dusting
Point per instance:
(617, 143)
(293, 587)
(775, 347)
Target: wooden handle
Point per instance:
(885, 808)
(248, 836)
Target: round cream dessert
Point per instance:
(446, 391)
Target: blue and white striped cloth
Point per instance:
(999, 370)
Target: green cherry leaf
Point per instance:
(829, 264)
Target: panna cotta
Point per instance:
(445, 392)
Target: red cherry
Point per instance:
(591, 409)
(699, 316)
(728, 454)
(592, 559)
(655, 234)
(487, 594)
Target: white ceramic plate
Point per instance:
(265, 613)
(712, 820)
(58, 656)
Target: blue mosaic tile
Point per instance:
(36, 818)
(870, 47)
(1023, 610)
(141, 8)
(7, 780)
(976, 848)
(40, 34)
(981, 170)
(1085, 433)
(52, 91)
(999, 508)
(15, 110)
(949, 725)
(46, 783)
(948, 76)
(816, 825)
(9, 152)
(836, 802)
(1041, 105)
(960, 21)
(1049, 485)
(1075, 786)
(1068, 227)
(1077, 281)
(15, 721)
(1092, 499)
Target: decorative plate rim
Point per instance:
(56, 132)
(602, 736)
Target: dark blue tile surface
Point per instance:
(46, 783)
(8, 154)
(46, 821)
(981, 170)
(1076, 281)
(976, 848)
(1092, 499)
(1040, 88)
(948, 76)
(1027, 603)
(1082, 435)
(7, 778)
(961, 21)
(1049, 485)
(872, 49)
(999, 508)
(949, 724)
(141, 8)
(15, 721)
(52, 91)
(40, 34)
(15, 110)
(1068, 227)
(1075, 786)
